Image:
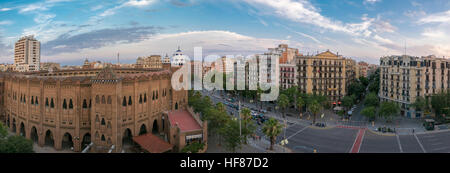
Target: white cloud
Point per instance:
(212, 42)
(434, 34)
(303, 11)
(139, 3)
(5, 9)
(383, 40)
(299, 11)
(130, 3)
(371, 1)
(443, 17)
(98, 7)
(43, 18)
(6, 22)
(33, 8)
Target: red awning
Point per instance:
(152, 143)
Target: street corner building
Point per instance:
(405, 78)
(97, 110)
(326, 74)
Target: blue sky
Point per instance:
(73, 30)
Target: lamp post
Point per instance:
(284, 141)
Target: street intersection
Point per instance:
(350, 138)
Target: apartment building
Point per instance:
(27, 54)
(404, 78)
(326, 74)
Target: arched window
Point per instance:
(103, 99)
(129, 101)
(64, 106)
(52, 104)
(176, 106)
(90, 103)
(32, 100)
(103, 137)
(84, 104)
(96, 118)
(153, 96)
(24, 99)
(157, 94)
(140, 98)
(109, 100)
(36, 102)
(21, 98)
(145, 97)
(97, 99)
(46, 102)
(70, 104)
(103, 122)
(124, 102)
(109, 125)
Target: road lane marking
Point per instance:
(297, 132)
(358, 141)
(399, 144)
(421, 146)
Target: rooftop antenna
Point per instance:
(118, 58)
(405, 47)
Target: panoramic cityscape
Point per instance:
(225, 76)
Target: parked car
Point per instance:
(320, 124)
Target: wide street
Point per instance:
(341, 138)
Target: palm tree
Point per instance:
(300, 104)
(314, 107)
(272, 128)
(246, 119)
(283, 102)
(220, 107)
(258, 93)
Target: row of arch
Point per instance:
(67, 139)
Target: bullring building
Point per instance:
(105, 109)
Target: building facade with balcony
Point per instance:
(404, 78)
(325, 74)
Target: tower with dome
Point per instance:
(178, 59)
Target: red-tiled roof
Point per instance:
(152, 143)
(184, 120)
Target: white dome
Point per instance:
(178, 58)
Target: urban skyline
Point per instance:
(368, 30)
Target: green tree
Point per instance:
(388, 110)
(348, 102)
(16, 144)
(420, 104)
(230, 132)
(194, 147)
(259, 92)
(272, 128)
(248, 126)
(357, 89)
(369, 112)
(439, 102)
(371, 100)
(3, 131)
(300, 104)
(364, 81)
(314, 108)
(283, 102)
